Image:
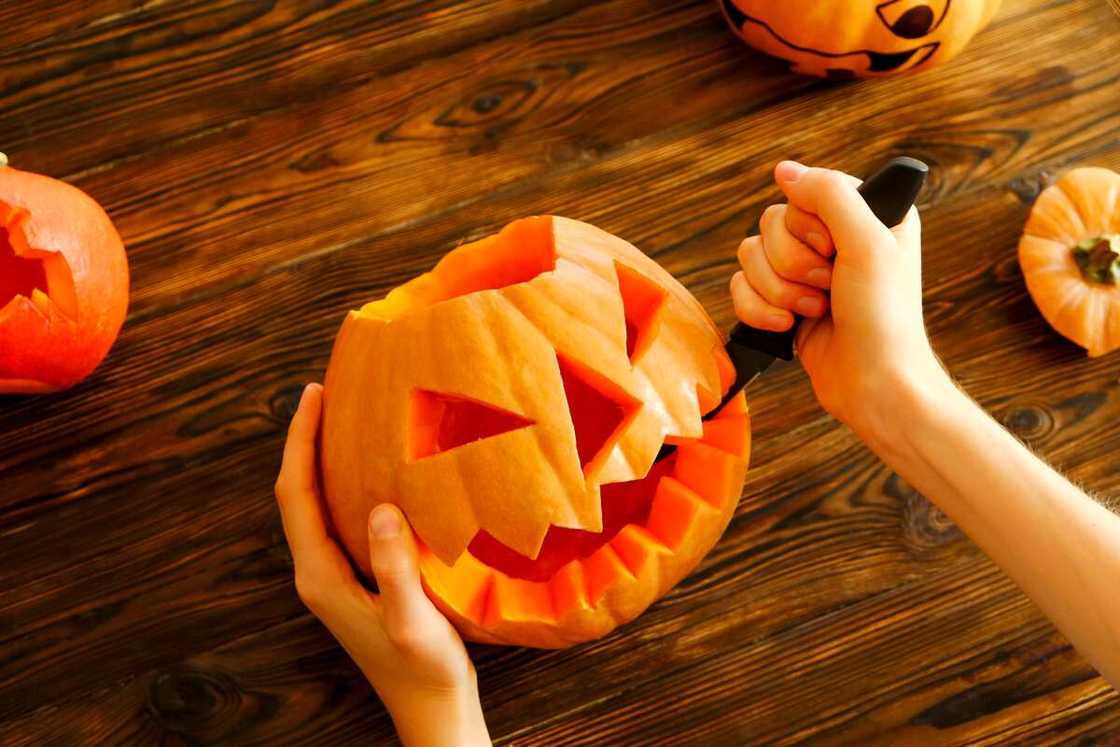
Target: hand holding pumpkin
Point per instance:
(407, 650)
(867, 338)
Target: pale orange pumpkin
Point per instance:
(841, 38)
(1070, 256)
(512, 402)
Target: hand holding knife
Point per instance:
(890, 193)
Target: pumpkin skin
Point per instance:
(1082, 207)
(512, 403)
(63, 283)
(842, 38)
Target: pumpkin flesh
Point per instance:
(530, 477)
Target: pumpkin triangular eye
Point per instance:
(19, 276)
(43, 277)
(642, 301)
(599, 409)
(441, 422)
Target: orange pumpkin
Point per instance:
(512, 402)
(840, 38)
(1070, 256)
(63, 283)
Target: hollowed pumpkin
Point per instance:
(1070, 256)
(63, 283)
(838, 38)
(512, 402)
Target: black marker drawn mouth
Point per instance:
(879, 62)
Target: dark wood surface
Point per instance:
(272, 164)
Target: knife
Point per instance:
(890, 193)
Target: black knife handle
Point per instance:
(890, 193)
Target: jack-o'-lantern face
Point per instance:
(512, 402)
(63, 283)
(844, 38)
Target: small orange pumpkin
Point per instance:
(839, 38)
(1070, 256)
(512, 402)
(63, 283)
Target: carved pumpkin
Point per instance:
(845, 38)
(1070, 256)
(63, 283)
(512, 402)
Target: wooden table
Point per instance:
(272, 164)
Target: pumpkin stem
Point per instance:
(3, 160)
(1099, 259)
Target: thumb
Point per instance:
(393, 556)
(833, 197)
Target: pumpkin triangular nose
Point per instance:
(599, 409)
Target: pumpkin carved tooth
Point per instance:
(512, 402)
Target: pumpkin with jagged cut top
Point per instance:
(513, 402)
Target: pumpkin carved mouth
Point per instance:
(512, 402)
(41, 277)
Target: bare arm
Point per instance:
(1059, 545)
(866, 351)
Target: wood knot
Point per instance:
(1027, 187)
(283, 403)
(924, 525)
(202, 704)
(1029, 422)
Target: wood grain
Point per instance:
(271, 165)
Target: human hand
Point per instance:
(864, 344)
(406, 649)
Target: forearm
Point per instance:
(1059, 545)
(451, 720)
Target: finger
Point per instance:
(833, 197)
(297, 490)
(753, 310)
(810, 230)
(392, 551)
(812, 340)
(909, 231)
(776, 291)
(789, 257)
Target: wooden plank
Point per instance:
(145, 589)
(93, 94)
(112, 555)
(275, 198)
(535, 102)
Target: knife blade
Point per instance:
(890, 193)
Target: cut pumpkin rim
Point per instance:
(694, 490)
(518, 253)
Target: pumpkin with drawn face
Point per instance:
(512, 403)
(846, 38)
